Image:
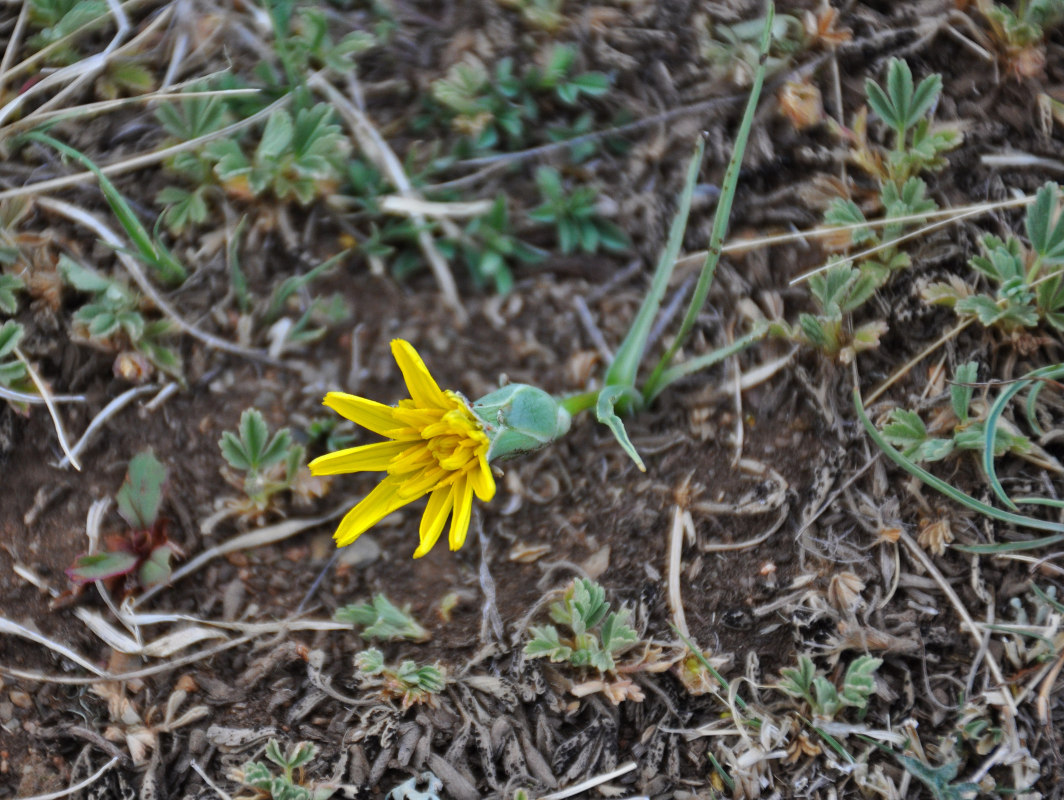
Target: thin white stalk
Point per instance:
(77, 787)
(105, 414)
(591, 783)
(46, 395)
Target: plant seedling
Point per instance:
(270, 465)
(142, 553)
(381, 619)
(574, 217)
(824, 699)
(1029, 280)
(291, 783)
(410, 682)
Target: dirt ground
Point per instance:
(792, 545)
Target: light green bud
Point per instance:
(519, 419)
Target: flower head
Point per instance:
(436, 447)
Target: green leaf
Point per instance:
(860, 683)
(826, 700)
(960, 391)
(11, 333)
(156, 569)
(233, 451)
(905, 430)
(141, 493)
(607, 399)
(1045, 224)
(381, 619)
(844, 212)
(370, 662)
(100, 566)
(798, 682)
(545, 641)
(616, 635)
(254, 435)
(9, 284)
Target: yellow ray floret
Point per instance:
(436, 447)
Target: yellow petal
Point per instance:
(422, 387)
(371, 415)
(375, 506)
(432, 521)
(463, 507)
(482, 481)
(367, 458)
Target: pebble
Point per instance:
(21, 699)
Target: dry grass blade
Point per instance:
(145, 160)
(12, 628)
(77, 787)
(381, 154)
(105, 414)
(591, 783)
(46, 396)
(263, 536)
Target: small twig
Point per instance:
(46, 395)
(147, 159)
(13, 42)
(77, 787)
(903, 370)
(100, 675)
(13, 628)
(317, 581)
(674, 566)
(105, 414)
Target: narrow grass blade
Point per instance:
(722, 216)
(152, 252)
(625, 366)
(694, 365)
(966, 500)
(997, 409)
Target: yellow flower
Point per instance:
(437, 448)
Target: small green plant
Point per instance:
(964, 424)
(141, 554)
(410, 682)
(270, 465)
(838, 292)
(186, 120)
(291, 783)
(298, 157)
(732, 51)
(1029, 281)
(484, 106)
(113, 319)
(381, 619)
(1020, 32)
(489, 247)
(57, 19)
(595, 635)
(574, 216)
(903, 106)
(824, 699)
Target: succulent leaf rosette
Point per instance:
(438, 444)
